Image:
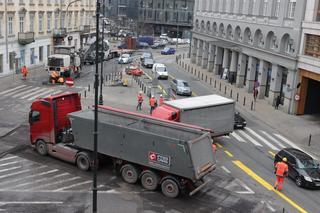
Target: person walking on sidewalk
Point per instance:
(161, 100)
(152, 103)
(278, 100)
(140, 100)
(24, 72)
(281, 171)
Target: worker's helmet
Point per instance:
(140, 92)
(152, 96)
(160, 95)
(284, 159)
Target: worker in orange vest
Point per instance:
(140, 100)
(281, 171)
(24, 71)
(152, 103)
(161, 100)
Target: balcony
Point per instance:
(84, 29)
(59, 33)
(25, 38)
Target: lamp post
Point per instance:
(102, 55)
(95, 131)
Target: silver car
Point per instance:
(180, 87)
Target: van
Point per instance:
(160, 70)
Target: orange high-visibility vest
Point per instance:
(140, 98)
(281, 169)
(152, 102)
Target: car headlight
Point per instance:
(308, 178)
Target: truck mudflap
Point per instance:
(205, 182)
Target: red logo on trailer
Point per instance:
(69, 82)
(152, 156)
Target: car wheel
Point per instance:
(299, 181)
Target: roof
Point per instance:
(199, 102)
(59, 56)
(52, 97)
(297, 153)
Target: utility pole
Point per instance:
(95, 131)
(102, 55)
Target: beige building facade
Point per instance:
(29, 29)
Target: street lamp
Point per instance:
(102, 55)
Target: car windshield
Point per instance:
(161, 69)
(125, 56)
(166, 49)
(183, 84)
(307, 164)
(146, 55)
(149, 60)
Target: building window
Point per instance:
(312, 46)
(32, 56)
(69, 19)
(62, 20)
(251, 6)
(10, 25)
(11, 60)
(1, 63)
(31, 22)
(41, 53)
(21, 24)
(49, 21)
(217, 6)
(22, 58)
(0, 26)
(291, 8)
(224, 6)
(40, 22)
(56, 20)
(48, 51)
(276, 9)
(265, 8)
(241, 5)
(318, 12)
(76, 20)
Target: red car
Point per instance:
(133, 70)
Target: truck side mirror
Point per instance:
(174, 115)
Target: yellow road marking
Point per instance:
(194, 94)
(147, 75)
(271, 153)
(170, 76)
(267, 185)
(228, 153)
(219, 145)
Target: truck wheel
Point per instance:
(129, 173)
(149, 180)
(42, 148)
(170, 188)
(83, 162)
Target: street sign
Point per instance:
(297, 97)
(69, 82)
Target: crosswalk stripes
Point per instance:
(250, 138)
(273, 139)
(25, 92)
(34, 93)
(9, 90)
(17, 91)
(262, 139)
(44, 94)
(238, 137)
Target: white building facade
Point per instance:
(253, 43)
(29, 29)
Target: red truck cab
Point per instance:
(167, 113)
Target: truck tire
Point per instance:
(129, 173)
(170, 188)
(150, 180)
(42, 148)
(83, 162)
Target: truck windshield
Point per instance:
(55, 62)
(161, 69)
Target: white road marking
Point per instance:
(292, 144)
(20, 172)
(9, 90)
(17, 91)
(273, 139)
(33, 93)
(269, 205)
(74, 185)
(225, 169)
(242, 184)
(30, 176)
(8, 158)
(9, 169)
(12, 162)
(25, 92)
(250, 138)
(238, 137)
(30, 202)
(51, 92)
(226, 136)
(55, 183)
(262, 139)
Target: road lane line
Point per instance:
(13, 162)
(9, 169)
(238, 137)
(219, 145)
(225, 169)
(32, 93)
(250, 138)
(8, 158)
(292, 144)
(25, 92)
(55, 183)
(247, 188)
(228, 153)
(262, 139)
(30, 202)
(21, 172)
(273, 139)
(267, 185)
(74, 185)
(272, 154)
(9, 90)
(45, 93)
(17, 91)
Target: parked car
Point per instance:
(302, 167)
(145, 55)
(239, 121)
(148, 62)
(180, 87)
(125, 59)
(168, 51)
(133, 70)
(164, 36)
(160, 70)
(158, 45)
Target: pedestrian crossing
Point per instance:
(262, 138)
(27, 92)
(19, 174)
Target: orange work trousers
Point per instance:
(279, 183)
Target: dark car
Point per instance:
(168, 51)
(302, 167)
(239, 121)
(148, 62)
(145, 55)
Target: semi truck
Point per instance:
(211, 111)
(171, 155)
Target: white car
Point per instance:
(160, 70)
(125, 59)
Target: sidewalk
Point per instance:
(296, 128)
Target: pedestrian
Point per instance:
(161, 100)
(152, 103)
(281, 171)
(140, 100)
(255, 94)
(278, 100)
(24, 72)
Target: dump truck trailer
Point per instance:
(173, 155)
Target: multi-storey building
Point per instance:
(308, 96)
(253, 43)
(166, 16)
(29, 29)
